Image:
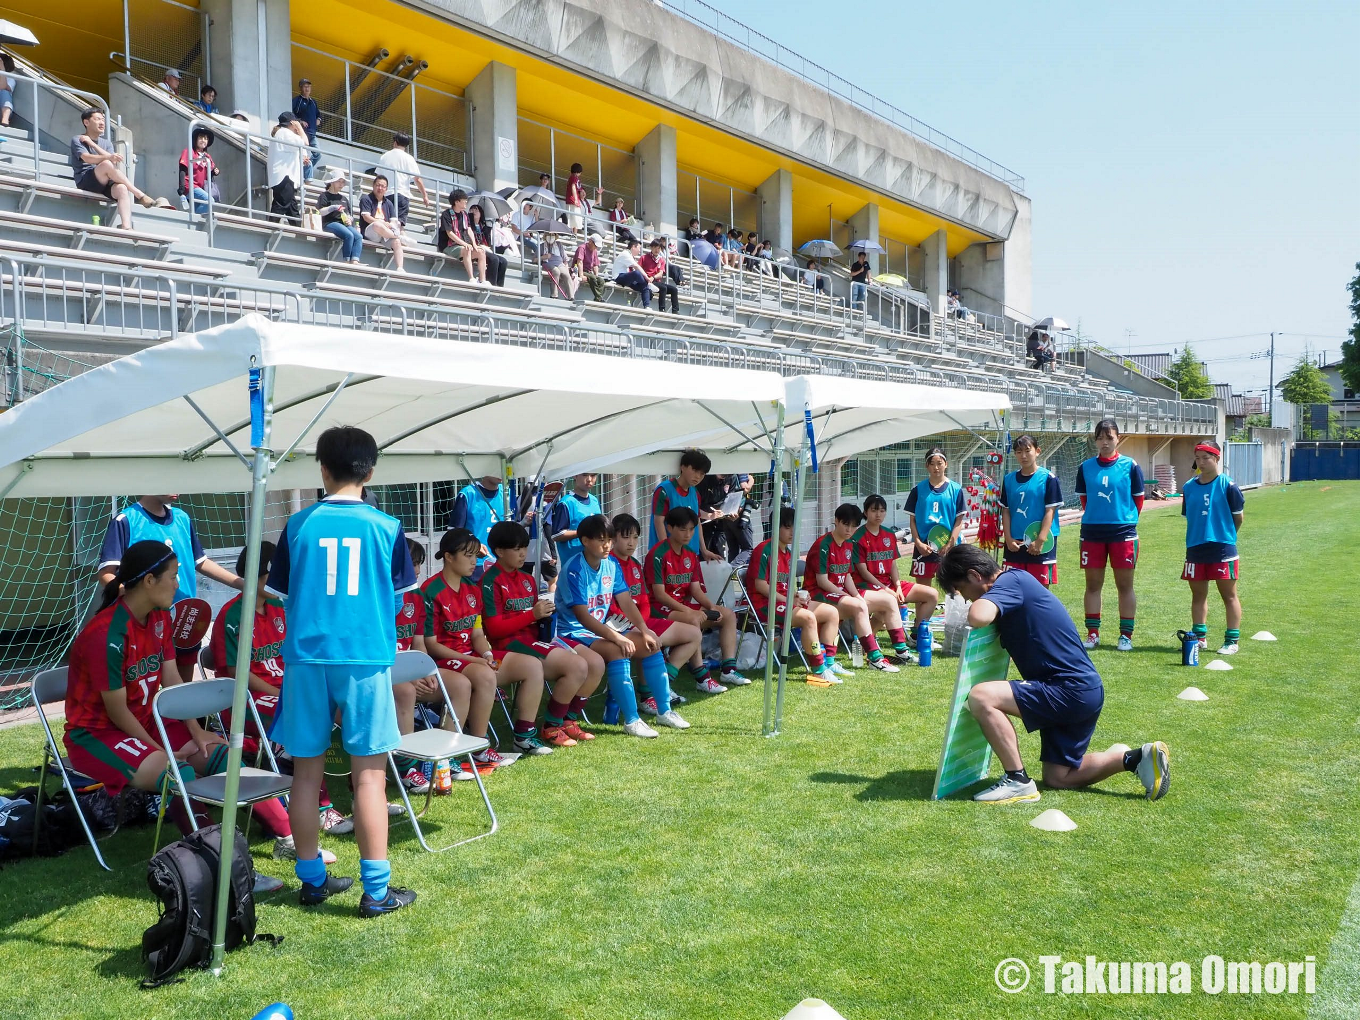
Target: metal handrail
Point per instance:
(94, 100)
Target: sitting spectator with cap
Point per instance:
(207, 99)
(628, 272)
(99, 170)
(653, 265)
(308, 112)
(378, 212)
(337, 218)
(585, 265)
(288, 160)
(196, 172)
(619, 216)
(170, 83)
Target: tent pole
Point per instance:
(773, 535)
(259, 481)
(793, 570)
(507, 479)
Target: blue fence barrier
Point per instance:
(1325, 461)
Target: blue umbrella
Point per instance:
(819, 249)
(704, 253)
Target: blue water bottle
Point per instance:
(611, 711)
(923, 643)
(1189, 648)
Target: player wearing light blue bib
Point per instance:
(567, 515)
(1110, 487)
(1212, 506)
(1030, 498)
(682, 490)
(478, 507)
(935, 514)
(342, 568)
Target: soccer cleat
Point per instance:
(883, 666)
(638, 728)
(1229, 648)
(415, 781)
(1125, 643)
(265, 884)
(1203, 644)
(817, 680)
(335, 824)
(528, 743)
(490, 757)
(1008, 791)
(396, 899)
(709, 686)
(558, 736)
(648, 707)
(311, 895)
(677, 698)
(1092, 639)
(731, 676)
(576, 731)
(671, 718)
(1154, 769)
(838, 669)
(286, 850)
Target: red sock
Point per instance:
(815, 661)
(557, 711)
(523, 726)
(578, 705)
(869, 642)
(324, 801)
(273, 816)
(899, 636)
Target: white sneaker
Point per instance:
(1125, 643)
(1203, 644)
(830, 677)
(734, 678)
(286, 850)
(395, 810)
(1008, 791)
(709, 686)
(836, 667)
(335, 824)
(1154, 769)
(672, 719)
(1092, 640)
(1229, 648)
(638, 728)
(884, 666)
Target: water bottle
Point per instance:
(905, 610)
(611, 711)
(1189, 648)
(443, 776)
(856, 654)
(924, 641)
(427, 770)
(95, 219)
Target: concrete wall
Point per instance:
(1277, 445)
(252, 56)
(1126, 378)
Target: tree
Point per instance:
(1305, 384)
(1186, 373)
(1350, 349)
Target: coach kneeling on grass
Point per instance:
(1060, 694)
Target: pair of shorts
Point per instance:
(831, 598)
(89, 182)
(1064, 714)
(112, 757)
(1226, 570)
(307, 708)
(266, 704)
(535, 649)
(1120, 555)
(1045, 573)
(573, 643)
(924, 571)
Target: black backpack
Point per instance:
(183, 877)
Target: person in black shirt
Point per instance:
(336, 216)
(859, 279)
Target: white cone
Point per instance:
(1121, 748)
(1053, 820)
(812, 1009)
(1263, 635)
(1192, 694)
(1218, 664)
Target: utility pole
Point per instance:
(1270, 393)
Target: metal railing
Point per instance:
(36, 85)
(762, 45)
(162, 34)
(546, 149)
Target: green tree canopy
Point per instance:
(1305, 384)
(1189, 377)
(1350, 349)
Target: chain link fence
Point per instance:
(162, 35)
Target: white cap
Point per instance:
(597, 239)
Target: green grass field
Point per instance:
(714, 873)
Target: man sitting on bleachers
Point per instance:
(585, 265)
(99, 170)
(627, 272)
(378, 212)
(654, 267)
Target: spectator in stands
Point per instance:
(240, 115)
(307, 111)
(627, 271)
(554, 263)
(401, 166)
(578, 206)
(170, 83)
(378, 211)
(714, 235)
(545, 181)
(207, 99)
(99, 170)
(6, 89)
(288, 161)
(619, 216)
(585, 265)
(496, 262)
(337, 217)
(455, 223)
(1039, 347)
(766, 254)
(955, 307)
(732, 249)
(812, 277)
(859, 278)
(694, 232)
(654, 267)
(196, 172)
(520, 222)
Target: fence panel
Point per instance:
(1246, 463)
(163, 35)
(1324, 461)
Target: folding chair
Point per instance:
(194, 701)
(49, 686)
(435, 745)
(266, 746)
(750, 616)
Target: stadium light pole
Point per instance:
(776, 507)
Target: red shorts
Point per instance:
(829, 597)
(535, 649)
(185, 661)
(658, 626)
(112, 757)
(924, 571)
(571, 643)
(454, 665)
(265, 704)
(1121, 555)
(1045, 573)
(1226, 571)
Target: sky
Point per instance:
(1194, 167)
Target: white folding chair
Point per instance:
(436, 745)
(49, 687)
(266, 748)
(194, 701)
(749, 617)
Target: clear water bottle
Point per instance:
(856, 654)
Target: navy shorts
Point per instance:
(1064, 714)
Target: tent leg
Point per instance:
(785, 637)
(260, 472)
(767, 726)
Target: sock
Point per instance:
(672, 672)
(899, 639)
(311, 872)
(1199, 629)
(816, 662)
(1132, 758)
(829, 654)
(404, 764)
(524, 728)
(729, 665)
(273, 816)
(1126, 626)
(1093, 624)
(217, 761)
(654, 675)
(374, 876)
(1019, 775)
(696, 673)
(324, 801)
(1230, 637)
(870, 644)
(556, 713)
(578, 705)
(616, 675)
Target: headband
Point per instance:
(133, 580)
(1208, 448)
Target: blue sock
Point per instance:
(311, 872)
(374, 875)
(620, 683)
(657, 680)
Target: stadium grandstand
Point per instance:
(672, 111)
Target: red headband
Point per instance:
(1208, 448)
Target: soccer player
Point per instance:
(454, 639)
(829, 577)
(479, 506)
(341, 568)
(157, 518)
(411, 637)
(873, 552)
(512, 611)
(683, 639)
(1030, 498)
(935, 515)
(1111, 490)
(588, 589)
(1212, 505)
(567, 514)
(818, 621)
(1059, 694)
(672, 573)
(682, 491)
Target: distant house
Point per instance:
(1160, 364)
(1345, 403)
(1254, 405)
(1234, 406)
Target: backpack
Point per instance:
(183, 877)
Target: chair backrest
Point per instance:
(49, 686)
(205, 660)
(193, 700)
(412, 665)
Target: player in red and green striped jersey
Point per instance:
(829, 577)
(817, 621)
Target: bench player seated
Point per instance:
(873, 552)
(676, 582)
(829, 577)
(818, 621)
(512, 612)
(683, 639)
(468, 668)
